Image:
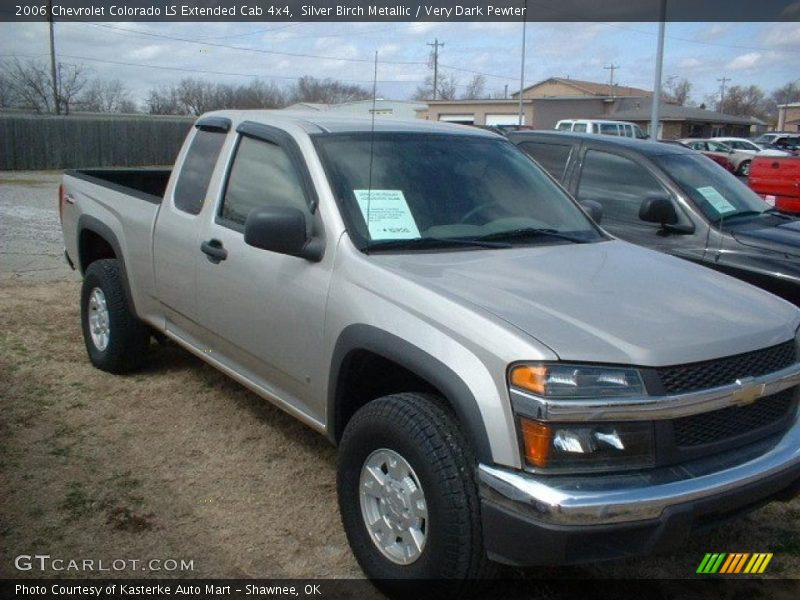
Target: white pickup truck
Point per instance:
(505, 381)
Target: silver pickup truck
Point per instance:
(505, 381)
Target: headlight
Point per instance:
(560, 448)
(576, 381)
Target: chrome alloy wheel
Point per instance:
(99, 322)
(393, 506)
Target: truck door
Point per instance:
(176, 238)
(264, 310)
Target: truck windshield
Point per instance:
(716, 192)
(421, 191)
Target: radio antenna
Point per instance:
(372, 137)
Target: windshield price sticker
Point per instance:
(387, 214)
(717, 200)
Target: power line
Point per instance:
(257, 50)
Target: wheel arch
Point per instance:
(89, 231)
(357, 340)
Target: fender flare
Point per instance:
(393, 348)
(90, 223)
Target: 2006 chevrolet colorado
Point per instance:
(505, 381)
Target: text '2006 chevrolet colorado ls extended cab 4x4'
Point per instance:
(505, 381)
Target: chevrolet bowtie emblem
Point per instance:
(748, 391)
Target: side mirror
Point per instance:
(595, 210)
(281, 229)
(658, 210)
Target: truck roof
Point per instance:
(648, 147)
(322, 123)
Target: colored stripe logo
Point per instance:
(734, 563)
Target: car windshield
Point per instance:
(424, 191)
(716, 192)
(718, 146)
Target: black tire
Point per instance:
(128, 336)
(424, 432)
(744, 169)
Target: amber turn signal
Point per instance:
(529, 377)
(536, 438)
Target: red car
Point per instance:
(721, 161)
(777, 180)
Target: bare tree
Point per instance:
(677, 90)
(745, 101)
(258, 94)
(7, 95)
(327, 91)
(476, 88)
(164, 101)
(71, 80)
(446, 85)
(31, 85)
(106, 96)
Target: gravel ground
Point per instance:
(180, 462)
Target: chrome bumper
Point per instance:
(626, 498)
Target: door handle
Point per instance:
(214, 251)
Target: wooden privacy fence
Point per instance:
(29, 141)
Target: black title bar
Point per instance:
(389, 10)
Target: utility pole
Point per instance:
(505, 92)
(656, 107)
(612, 67)
(435, 45)
(53, 57)
(522, 66)
(723, 80)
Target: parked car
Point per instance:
(504, 379)
(777, 180)
(599, 126)
(748, 147)
(670, 199)
(740, 160)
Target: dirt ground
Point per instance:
(179, 462)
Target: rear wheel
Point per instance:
(408, 498)
(116, 340)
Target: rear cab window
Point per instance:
(198, 166)
(552, 157)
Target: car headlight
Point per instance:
(587, 447)
(576, 381)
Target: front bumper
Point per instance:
(531, 519)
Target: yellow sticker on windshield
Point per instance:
(717, 200)
(387, 214)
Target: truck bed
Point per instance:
(777, 180)
(146, 184)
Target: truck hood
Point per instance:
(770, 233)
(607, 302)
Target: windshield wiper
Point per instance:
(424, 243)
(531, 232)
(776, 213)
(744, 213)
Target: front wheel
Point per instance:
(408, 497)
(116, 340)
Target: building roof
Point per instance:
(591, 87)
(640, 111)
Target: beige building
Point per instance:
(543, 104)
(789, 117)
(549, 101)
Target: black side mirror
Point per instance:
(281, 229)
(658, 210)
(595, 210)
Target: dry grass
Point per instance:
(180, 462)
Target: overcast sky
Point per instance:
(766, 54)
